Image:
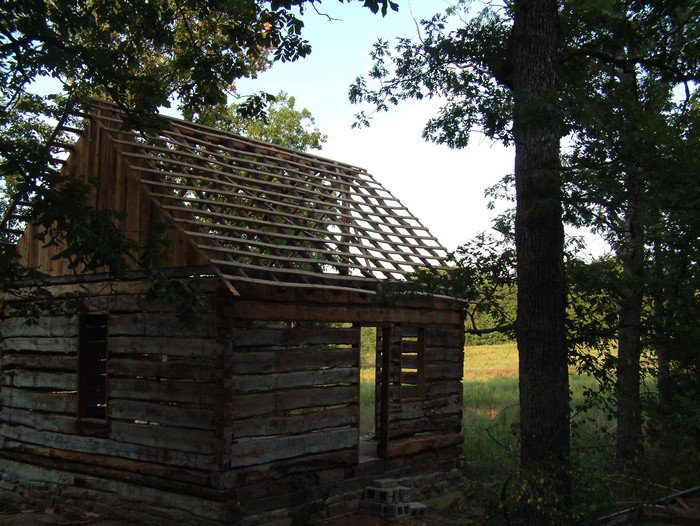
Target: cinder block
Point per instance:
(384, 483)
(385, 496)
(418, 509)
(371, 508)
(396, 510)
(402, 494)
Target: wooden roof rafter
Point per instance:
(260, 213)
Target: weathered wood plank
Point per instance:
(170, 346)
(105, 484)
(444, 354)
(280, 361)
(45, 345)
(413, 445)
(443, 372)
(251, 405)
(438, 424)
(289, 467)
(100, 446)
(296, 336)
(453, 337)
(195, 371)
(157, 324)
(260, 310)
(61, 402)
(39, 361)
(248, 452)
(124, 467)
(161, 413)
(272, 382)
(441, 389)
(46, 326)
(420, 409)
(195, 393)
(297, 423)
(40, 421)
(171, 438)
(19, 378)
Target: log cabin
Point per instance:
(250, 414)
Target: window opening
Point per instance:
(92, 366)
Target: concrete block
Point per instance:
(417, 509)
(396, 510)
(385, 496)
(402, 494)
(384, 483)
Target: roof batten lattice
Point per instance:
(262, 213)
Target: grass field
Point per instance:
(490, 404)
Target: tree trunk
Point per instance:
(539, 237)
(629, 347)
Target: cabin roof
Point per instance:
(262, 213)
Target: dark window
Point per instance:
(92, 368)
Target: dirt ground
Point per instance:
(12, 515)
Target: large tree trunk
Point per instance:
(629, 348)
(539, 237)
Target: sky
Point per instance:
(444, 188)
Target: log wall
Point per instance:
(436, 406)
(295, 392)
(163, 403)
(253, 417)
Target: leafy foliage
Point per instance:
(283, 124)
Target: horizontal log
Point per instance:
(195, 371)
(98, 285)
(38, 420)
(46, 326)
(296, 336)
(441, 389)
(34, 379)
(438, 424)
(421, 409)
(290, 360)
(171, 438)
(308, 464)
(416, 444)
(272, 382)
(336, 297)
(444, 354)
(161, 413)
(168, 346)
(45, 345)
(120, 467)
(437, 337)
(39, 361)
(444, 371)
(258, 310)
(138, 303)
(127, 489)
(247, 452)
(246, 406)
(59, 402)
(101, 446)
(157, 324)
(297, 423)
(194, 393)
